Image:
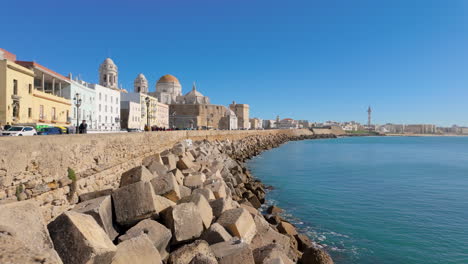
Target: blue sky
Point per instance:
(304, 59)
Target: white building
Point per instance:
(107, 108)
(79, 90)
(130, 115)
(288, 123)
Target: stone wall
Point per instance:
(36, 167)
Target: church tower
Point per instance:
(140, 85)
(108, 74)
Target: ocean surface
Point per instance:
(375, 199)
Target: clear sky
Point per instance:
(304, 59)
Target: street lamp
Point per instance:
(77, 101)
(147, 99)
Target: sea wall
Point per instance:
(37, 167)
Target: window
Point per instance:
(68, 115)
(99, 119)
(15, 87)
(53, 114)
(28, 129)
(105, 108)
(106, 119)
(105, 97)
(30, 88)
(41, 112)
(30, 112)
(111, 109)
(100, 97)
(99, 107)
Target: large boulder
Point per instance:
(166, 185)
(239, 223)
(184, 191)
(185, 222)
(195, 181)
(155, 157)
(134, 175)
(220, 205)
(93, 195)
(233, 252)
(134, 203)
(209, 195)
(218, 187)
(78, 239)
(179, 176)
(184, 163)
(270, 252)
(287, 229)
(23, 225)
(185, 254)
(170, 161)
(162, 203)
(303, 242)
(137, 250)
(216, 234)
(101, 210)
(202, 259)
(204, 207)
(158, 234)
(157, 168)
(14, 251)
(315, 255)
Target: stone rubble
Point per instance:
(193, 203)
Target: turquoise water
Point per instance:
(375, 199)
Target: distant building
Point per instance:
(304, 124)
(130, 115)
(269, 124)
(140, 85)
(107, 108)
(156, 115)
(168, 88)
(256, 123)
(420, 129)
(79, 90)
(229, 121)
(242, 113)
(288, 123)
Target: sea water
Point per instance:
(375, 199)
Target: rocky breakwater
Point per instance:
(195, 203)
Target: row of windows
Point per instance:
(15, 87)
(111, 98)
(110, 107)
(106, 118)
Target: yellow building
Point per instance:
(31, 94)
(16, 91)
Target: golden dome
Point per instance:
(168, 78)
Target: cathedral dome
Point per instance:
(140, 76)
(168, 79)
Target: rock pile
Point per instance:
(192, 204)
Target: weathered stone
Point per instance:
(14, 251)
(23, 222)
(251, 210)
(273, 219)
(134, 175)
(276, 260)
(101, 210)
(218, 188)
(179, 176)
(157, 169)
(158, 234)
(134, 202)
(184, 163)
(270, 236)
(202, 259)
(303, 242)
(79, 239)
(170, 161)
(166, 185)
(216, 234)
(178, 150)
(137, 250)
(94, 195)
(220, 205)
(147, 161)
(269, 252)
(239, 223)
(209, 195)
(204, 207)
(287, 228)
(186, 253)
(162, 203)
(233, 252)
(185, 222)
(314, 255)
(194, 181)
(184, 191)
(274, 210)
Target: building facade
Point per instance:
(288, 123)
(168, 88)
(242, 113)
(107, 108)
(130, 115)
(269, 124)
(157, 114)
(79, 90)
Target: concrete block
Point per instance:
(14, 251)
(218, 187)
(209, 195)
(314, 255)
(186, 253)
(94, 195)
(233, 252)
(185, 191)
(166, 185)
(137, 250)
(134, 175)
(79, 239)
(184, 163)
(239, 223)
(134, 202)
(202, 259)
(179, 176)
(287, 229)
(270, 252)
(216, 234)
(195, 181)
(23, 223)
(158, 234)
(101, 210)
(162, 203)
(157, 169)
(220, 205)
(170, 161)
(203, 206)
(184, 221)
(147, 160)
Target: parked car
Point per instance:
(133, 130)
(50, 131)
(20, 131)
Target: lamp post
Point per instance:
(147, 112)
(77, 101)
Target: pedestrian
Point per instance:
(7, 126)
(83, 127)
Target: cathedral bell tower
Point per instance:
(140, 85)
(108, 74)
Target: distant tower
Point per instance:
(369, 116)
(140, 85)
(108, 74)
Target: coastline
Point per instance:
(425, 135)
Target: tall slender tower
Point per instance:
(108, 74)
(369, 116)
